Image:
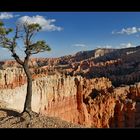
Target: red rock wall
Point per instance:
(73, 109)
(12, 78)
(64, 108)
(90, 102)
(127, 108)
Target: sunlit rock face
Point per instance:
(56, 95)
(11, 78)
(99, 88)
(90, 102)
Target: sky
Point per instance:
(69, 32)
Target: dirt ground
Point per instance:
(12, 119)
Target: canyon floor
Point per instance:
(11, 119)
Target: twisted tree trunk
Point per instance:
(28, 98)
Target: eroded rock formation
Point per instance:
(90, 102)
(75, 89)
(11, 78)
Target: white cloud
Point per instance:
(105, 46)
(126, 45)
(128, 31)
(122, 45)
(6, 15)
(79, 45)
(46, 24)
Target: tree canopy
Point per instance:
(25, 32)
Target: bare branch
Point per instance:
(6, 43)
(13, 48)
(30, 36)
(27, 51)
(25, 28)
(17, 58)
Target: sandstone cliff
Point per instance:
(90, 102)
(55, 95)
(121, 66)
(99, 88)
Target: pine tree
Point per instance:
(26, 32)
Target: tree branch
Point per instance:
(37, 52)
(30, 36)
(13, 48)
(26, 59)
(17, 58)
(27, 36)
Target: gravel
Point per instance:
(36, 121)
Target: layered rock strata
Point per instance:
(90, 102)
